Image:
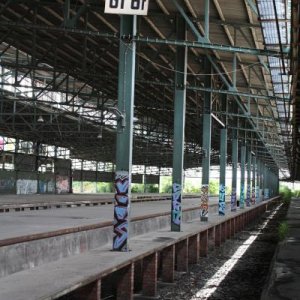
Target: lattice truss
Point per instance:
(59, 77)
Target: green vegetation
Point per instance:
(214, 187)
(283, 229)
(165, 184)
(191, 185)
(105, 187)
(286, 194)
(151, 188)
(296, 193)
(139, 188)
(91, 187)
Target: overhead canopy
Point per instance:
(59, 60)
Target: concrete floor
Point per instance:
(48, 198)
(284, 276)
(16, 224)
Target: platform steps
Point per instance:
(99, 273)
(31, 251)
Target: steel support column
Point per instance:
(277, 182)
(234, 169)
(242, 191)
(206, 142)
(179, 125)
(266, 183)
(253, 197)
(257, 188)
(223, 163)
(248, 199)
(125, 133)
(223, 159)
(261, 181)
(206, 20)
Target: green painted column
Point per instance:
(223, 158)
(179, 125)
(223, 163)
(253, 197)
(243, 162)
(257, 189)
(248, 197)
(269, 187)
(206, 142)
(277, 180)
(124, 132)
(234, 169)
(262, 167)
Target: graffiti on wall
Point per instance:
(121, 211)
(248, 199)
(242, 196)
(253, 195)
(222, 204)
(42, 186)
(62, 184)
(257, 199)
(233, 199)
(51, 186)
(1, 143)
(176, 206)
(204, 202)
(266, 194)
(6, 184)
(26, 186)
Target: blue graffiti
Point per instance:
(121, 209)
(176, 204)
(253, 195)
(257, 198)
(204, 201)
(242, 196)
(120, 239)
(222, 205)
(248, 200)
(233, 199)
(266, 194)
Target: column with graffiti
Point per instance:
(233, 202)
(176, 207)
(257, 188)
(206, 142)
(222, 203)
(121, 211)
(179, 125)
(253, 180)
(124, 142)
(242, 192)
(248, 199)
(223, 162)
(204, 202)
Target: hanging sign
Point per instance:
(126, 7)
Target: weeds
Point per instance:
(283, 229)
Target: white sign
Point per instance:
(126, 7)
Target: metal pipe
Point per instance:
(218, 120)
(206, 20)
(206, 45)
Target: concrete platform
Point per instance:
(10, 203)
(17, 224)
(284, 277)
(32, 238)
(50, 281)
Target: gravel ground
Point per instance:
(244, 281)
